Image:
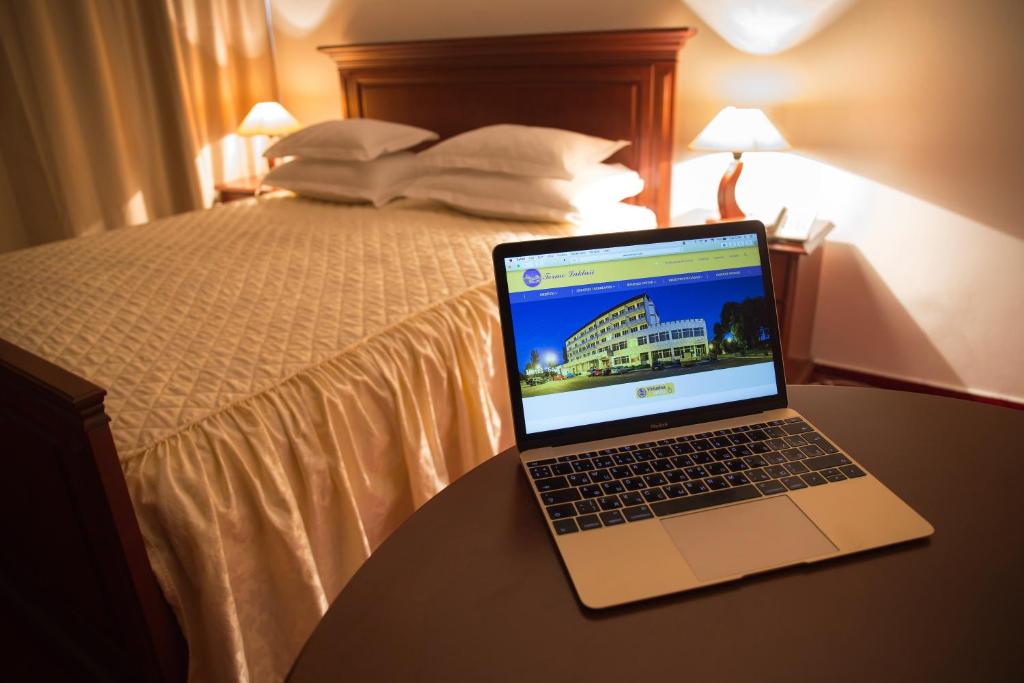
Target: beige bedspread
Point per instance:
(288, 380)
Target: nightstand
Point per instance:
(242, 188)
(796, 274)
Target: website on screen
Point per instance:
(621, 332)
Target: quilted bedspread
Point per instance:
(184, 317)
(287, 381)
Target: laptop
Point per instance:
(652, 421)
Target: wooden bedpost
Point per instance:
(75, 580)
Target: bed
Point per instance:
(288, 379)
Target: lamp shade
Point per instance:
(268, 118)
(736, 129)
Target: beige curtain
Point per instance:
(224, 56)
(117, 112)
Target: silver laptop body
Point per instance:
(652, 421)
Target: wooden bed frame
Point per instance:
(75, 575)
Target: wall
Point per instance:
(905, 121)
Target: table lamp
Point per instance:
(270, 119)
(737, 130)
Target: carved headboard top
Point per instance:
(613, 84)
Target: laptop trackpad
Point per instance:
(745, 538)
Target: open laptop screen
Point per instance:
(621, 332)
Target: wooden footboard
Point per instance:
(74, 575)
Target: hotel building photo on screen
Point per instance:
(631, 334)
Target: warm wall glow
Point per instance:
(299, 17)
(897, 270)
(757, 83)
(766, 27)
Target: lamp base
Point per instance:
(728, 209)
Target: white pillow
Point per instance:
(349, 140)
(524, 198)
(616, 218)
(522, 150)
(377, 181)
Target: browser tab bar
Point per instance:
(520, 263)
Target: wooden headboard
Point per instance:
(613, 84)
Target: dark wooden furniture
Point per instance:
(471, 588)
(796, 274)
(75, 579)
(74, 573)
(616, 85)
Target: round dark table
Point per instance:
(471, 587)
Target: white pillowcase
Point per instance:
(524, 198)
(616, 218)
(349, 140)
(377, 181)
(522, 150)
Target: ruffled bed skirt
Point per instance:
(271, 504)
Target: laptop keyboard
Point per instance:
(654, 479)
